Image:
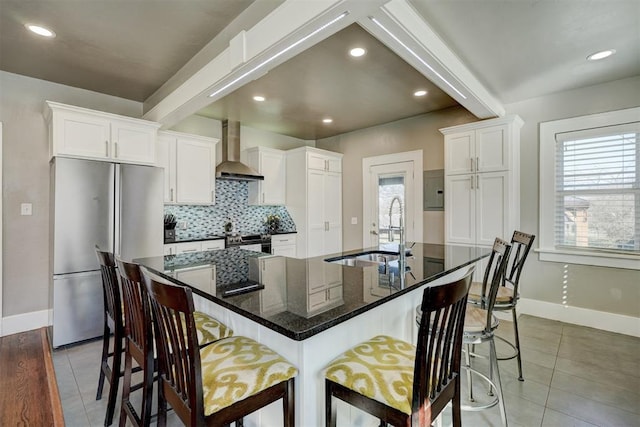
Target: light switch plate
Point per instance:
(26, 209)
(354, 220)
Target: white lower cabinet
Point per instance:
(271, 272)
(202, 278)
(284, 245)
(323, 288)
(187, 247)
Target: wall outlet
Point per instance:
(354, 220)
(26, 209)
(183, 225)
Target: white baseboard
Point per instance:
(25, 322)
(619, 323)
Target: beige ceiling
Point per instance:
(517, 48)
(123, 48)
(325, 81)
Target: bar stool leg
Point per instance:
(494, 364)
(517, 335)
(103, 359)
(467, 357)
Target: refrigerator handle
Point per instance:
(117, 210)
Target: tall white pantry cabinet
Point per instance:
(314, 200)
(482, 180)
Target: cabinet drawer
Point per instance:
(212, 245)
(187, 247)
(286, 239)
(317, 299)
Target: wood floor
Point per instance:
(28, 389)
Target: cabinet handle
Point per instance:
(106, 147)
(213, 196)
(115, 149)
(262, 197)
(477, 164)
(171, 194)
(477, 181)
(188, 250)
(472, 164)
(170, 251)
(472, 182)
(213, 275)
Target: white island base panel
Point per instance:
(395, 318)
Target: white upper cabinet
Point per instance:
(271, 164)
(82, 133)
(482, 181)
(189, 162)
(314, 200)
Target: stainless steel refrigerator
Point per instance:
(118, 207)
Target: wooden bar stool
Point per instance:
(399, 383)
(140, 345)
(509, 292)
(113, 324)
(219, 383)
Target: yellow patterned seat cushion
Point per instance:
(209, 329)
(380, 368)
(504, 296)
(237, 367)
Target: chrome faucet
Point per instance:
(400, 227)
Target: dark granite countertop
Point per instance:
(302, 297)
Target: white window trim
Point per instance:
(548, 130)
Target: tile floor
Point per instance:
(574, 376)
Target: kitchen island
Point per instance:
(311, 310)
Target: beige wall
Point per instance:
(416, 133)
(26, 179)
(597, 288)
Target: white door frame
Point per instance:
(408, 156)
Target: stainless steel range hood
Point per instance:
(231, 168)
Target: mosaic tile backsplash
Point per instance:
(231, 203)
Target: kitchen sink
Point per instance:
(364, 259)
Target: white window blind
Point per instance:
(597, 194)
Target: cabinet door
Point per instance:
(332, 213)
(316, 161)
(195, 171)
(273, 299)
(334, 164)
(491, 207)
(200, 278)
(273, 168)
(492, 149)
(81, 135)
(316, 226)
(166, 159)
(459, 153)
(460, 207)
(133, 143)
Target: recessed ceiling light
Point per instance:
(420, 93)
(601, 55)
(357, 52)
(327, 120)
(258, 98)
(41, 31)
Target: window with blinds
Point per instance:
(597, 189)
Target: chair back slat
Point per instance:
(178, 351)
(494, 277)
(137, 312)
(521, 244)
(110, 287)
(439, 346)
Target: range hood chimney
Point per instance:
(231, 168)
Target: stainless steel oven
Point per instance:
(251, 242)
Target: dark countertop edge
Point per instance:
(301, 336)
(218, 237)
